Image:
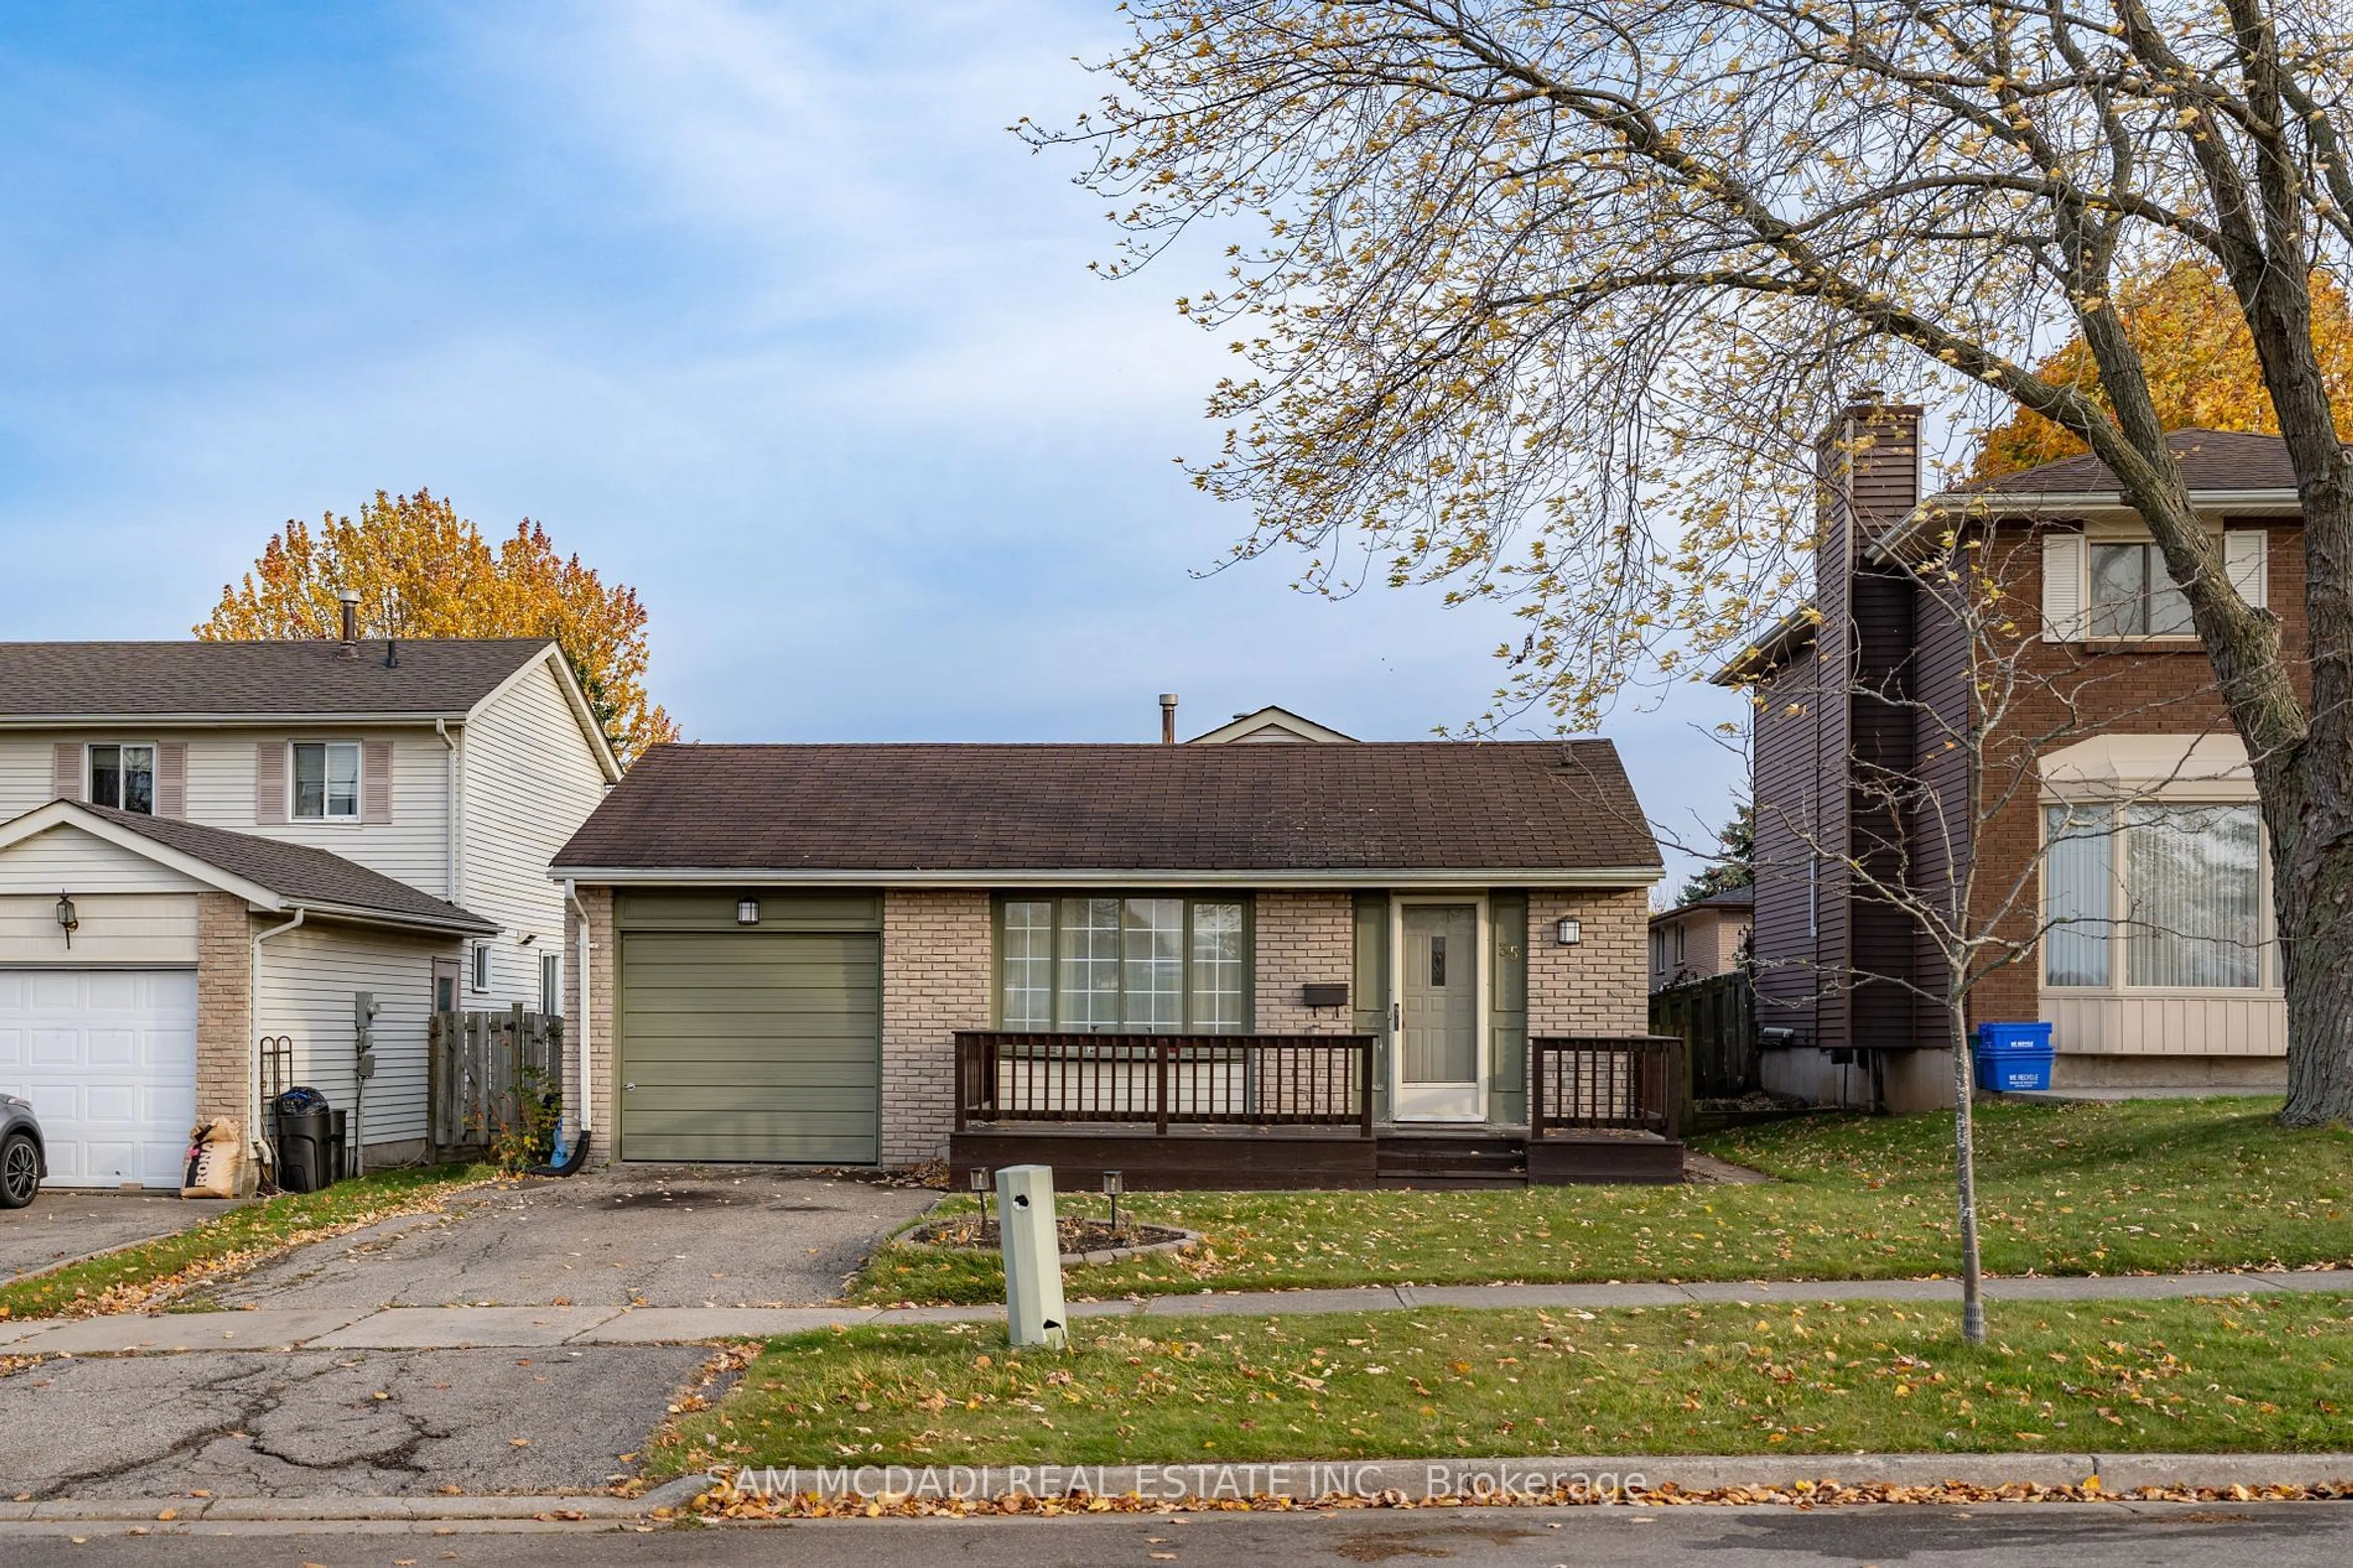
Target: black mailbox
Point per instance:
(1327, 994)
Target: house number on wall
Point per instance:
(1508, 949)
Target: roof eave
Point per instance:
(1898, 542)
(182, 720)
(1782, 638)
(1141, 875)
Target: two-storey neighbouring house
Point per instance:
(1702, 938)
(204, 844)
(2113, 831)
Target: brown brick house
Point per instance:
(2119, 808)
(1700, 939)
(1222, 964)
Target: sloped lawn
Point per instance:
(2249, 1374)
(2146, 1186)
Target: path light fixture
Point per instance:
(1114, 1183)
(977, 1177)
(747, 911)
(1569, 931)
(68, 917)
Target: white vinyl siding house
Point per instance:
(453, 771)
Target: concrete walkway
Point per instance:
(461, 1328)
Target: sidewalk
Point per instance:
(457, 1328)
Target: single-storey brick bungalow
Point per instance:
(1223, 963)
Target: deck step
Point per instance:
(1456, 1161)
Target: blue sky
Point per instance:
(758, 307)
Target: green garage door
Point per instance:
(751, 1046)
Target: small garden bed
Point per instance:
(1083, 1239)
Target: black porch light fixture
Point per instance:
(68, 917)
(747, 911)
(1568, 931)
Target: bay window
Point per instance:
(1137, 963)
(2176, 888)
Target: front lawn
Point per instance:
(2249, 1374)
(140, 1275)
(2144, 1186)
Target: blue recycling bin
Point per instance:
(2012, 1057)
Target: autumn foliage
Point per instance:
(422, 571)
(2199, 360)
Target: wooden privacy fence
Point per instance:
(1626, 1083)
(1250, 1081)
(1715, 1018)
(479, 1066)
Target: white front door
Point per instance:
(1437, 1071)
(108, 1056)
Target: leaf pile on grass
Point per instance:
(154, 1272)
(2232, 1374)
(725, 1501)
(2142, 1186)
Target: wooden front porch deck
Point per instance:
(1270, 1111)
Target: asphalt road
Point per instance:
(619, 1235)
(63, 1224)
(319, 1423)
(2285, 1535)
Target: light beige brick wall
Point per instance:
(1302, 939)
(936, 981)
(604, 955)
(225, 1043)
(1601, 985)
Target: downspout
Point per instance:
(449, 808)
(253, 1022)
(571, 897)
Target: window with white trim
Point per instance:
(551, 983)
(123, 775)
(2153, 896)
(326, 780)
(2132, 594)
(1136, 963)
(482, 966)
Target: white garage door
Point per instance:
(108, 1059)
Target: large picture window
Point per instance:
(1135, 963)
(2176, 888)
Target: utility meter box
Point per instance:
(1033, 1257)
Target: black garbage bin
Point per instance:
(339, 1155)
(305, 1141)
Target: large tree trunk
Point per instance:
(2312, 870)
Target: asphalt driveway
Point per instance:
(62, 1225)
(620, 1237)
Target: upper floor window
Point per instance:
(1139, 964)
(2132, 596)
(481, 961)
(122, 777)
(326, 780)
(551, 983)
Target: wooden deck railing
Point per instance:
(1629, 1082)
(1164, 1080)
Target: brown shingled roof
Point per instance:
(439, 677)
(2210, 460)
(298, 873)
(1369, 806)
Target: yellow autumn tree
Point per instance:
(2199, 360)
(422, 571)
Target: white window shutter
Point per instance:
(65, 770)
(2246, 561)
(2063, 587)
(375, 782)
(270, 782)
(172, 778)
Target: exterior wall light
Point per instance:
(1569, 931)
(68, 917)
(747, 911)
